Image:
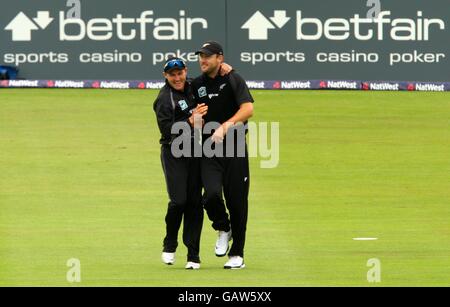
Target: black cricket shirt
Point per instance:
(223, 95)
(172, 106)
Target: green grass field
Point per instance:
(80, 177)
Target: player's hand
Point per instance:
(219, 135)
(220, 132)
(196, 119)
(225, 69)
(201, 109)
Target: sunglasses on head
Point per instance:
(174, 63)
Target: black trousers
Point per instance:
(185, 193)
(230, 176)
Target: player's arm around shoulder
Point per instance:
(243, 97)
(240, 89)
(244, 100)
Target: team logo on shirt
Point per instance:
(183, 105)
(211, 96)
(202, 92)
(222, 86)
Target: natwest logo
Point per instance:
(143, 27)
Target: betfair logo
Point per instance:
(381, 26)
(259, 25)
(22, 26)
(103, 29)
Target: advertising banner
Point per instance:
(289, 42)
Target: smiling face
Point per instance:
(210, 64)
(176, 78)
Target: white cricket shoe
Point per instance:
(222, 243)
(192, 266)
(235, 263)
(168, 258)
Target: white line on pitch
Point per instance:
(365, 239)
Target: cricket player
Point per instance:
(230, 104)
(176, 103)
